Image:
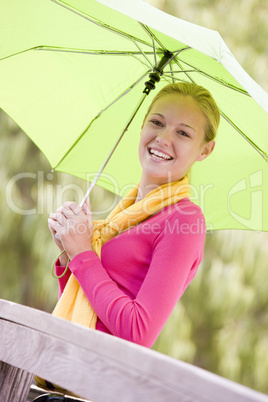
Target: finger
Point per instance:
(52, 230)
(58, 217)
(57, 236)
(61, 218)
(59, 210)
(54, 215)
(53, 225)
(72, 206)
(68, 205)
(71, 211)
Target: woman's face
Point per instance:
(172, 139)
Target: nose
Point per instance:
(164, 138)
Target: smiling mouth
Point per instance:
(159, 155)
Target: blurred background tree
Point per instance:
(221, 322)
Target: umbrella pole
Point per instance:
(96, 178)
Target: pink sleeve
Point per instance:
(176, 256)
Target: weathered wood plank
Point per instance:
(67, 365)
(14, 383)
(101, 367)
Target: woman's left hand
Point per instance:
(74, 225)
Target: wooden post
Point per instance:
(14, 383)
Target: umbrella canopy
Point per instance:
(72, 71)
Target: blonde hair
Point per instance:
(203, 98)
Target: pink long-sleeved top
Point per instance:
(142, 272)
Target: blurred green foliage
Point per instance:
(221, 322)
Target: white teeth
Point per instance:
(159, 154)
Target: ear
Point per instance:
(206, 150)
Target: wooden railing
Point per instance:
(97, 366)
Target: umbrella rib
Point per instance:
(152, 36)
(102, 52)
(178, 64)
(255, 146)
(205, 74)
(155, 59)
(21, 52)
(178, 72)
(81, 51)
(226, 84)
(92, 52)
(140, 61)
(123, 93)
(223, 83)
(172, 73)
(154, 39)
(99, 114)
(102, 25)
(144, 55)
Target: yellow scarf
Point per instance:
(73, 304)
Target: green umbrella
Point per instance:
(73, 72)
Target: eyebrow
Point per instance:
(182, 124)
(187, 125)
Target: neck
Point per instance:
(146, 186)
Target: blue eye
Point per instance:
(183, 133)
(156, 122)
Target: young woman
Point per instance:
(126, 273)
